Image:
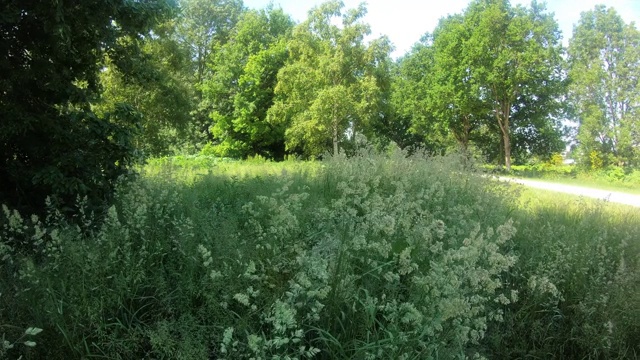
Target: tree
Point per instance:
(203, 27)
(512, 62)
(331, 83)
(492, 77)
(241, 89)
(412, 123)
(604, 70)
(160, 92)
(51, 142)
(455, 95)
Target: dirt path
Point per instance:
(612, 196)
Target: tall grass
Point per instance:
(371, 257)
(578, 271)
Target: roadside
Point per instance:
(585, 183)
(611, 196)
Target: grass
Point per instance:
(611, 179)
(371, 257)
(569, 241)
(589, 183)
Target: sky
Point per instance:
(405, 21)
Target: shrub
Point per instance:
(596, 161)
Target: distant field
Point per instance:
(376, 256)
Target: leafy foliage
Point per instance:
(605, 68)
(241, 89)
(455, 96)
(203, 27)
(333, 81)
(413, 122)
(51, 143)
(160, 92)
(492, 76)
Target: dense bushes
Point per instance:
(51, 141)
(369, 257)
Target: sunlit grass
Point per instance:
(622, 187)
(617, 179)
(534, 199)
(377, 256)
(192, 169)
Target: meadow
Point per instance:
(376, 256)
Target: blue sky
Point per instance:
(405, 21)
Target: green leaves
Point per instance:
(241, 88)
(332, 83)
(51, 141)
(485, 76)
(160, 92)
(604, 72)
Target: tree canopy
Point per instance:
(51, 142)
(495, 67)
(604, 56)
(161, 93)
(241, 89)
(331, 84)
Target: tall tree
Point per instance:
(455, 96)
(516, 62)
(414, 121)
(241, 88)
(604, 60)
(51, 142)
(205, 26)
(161, 92)
(491, 76)
(332, 81)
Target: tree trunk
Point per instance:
(503, 121)
(335, 138)
(507, 150)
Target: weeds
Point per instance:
(370, 257)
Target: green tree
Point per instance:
(492, 77)
(51, 142)
(241, 89)
(331, 86)
(512, 58)
(161, 93)
(455, 95)
(203, 27)
(604, 61)
(412, 123)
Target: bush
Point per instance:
(51, 142)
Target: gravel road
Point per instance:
(612, 196)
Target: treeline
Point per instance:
(90, 88)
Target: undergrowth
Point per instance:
(370, 257)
